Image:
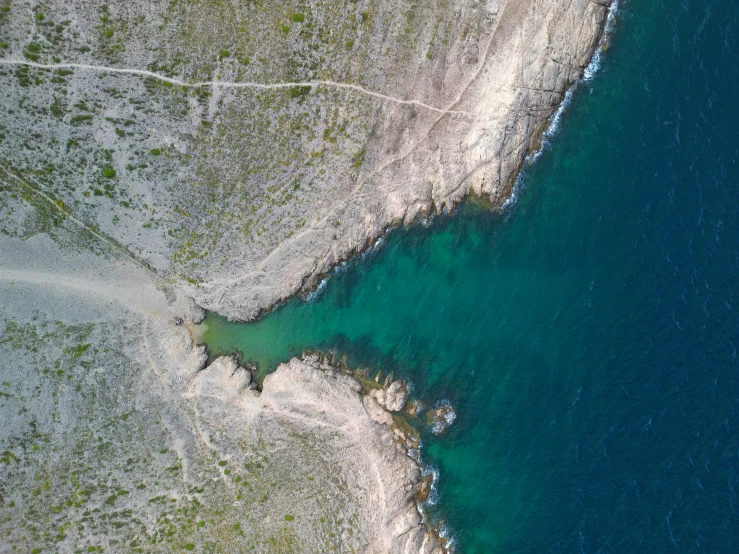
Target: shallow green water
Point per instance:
(587, 336)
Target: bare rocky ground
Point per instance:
(243, 196)
(127, 200)
(117, 438)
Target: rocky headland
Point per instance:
(118, 435)
(241, 159)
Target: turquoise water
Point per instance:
(587, 337)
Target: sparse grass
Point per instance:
(82, 119)
(32, 51)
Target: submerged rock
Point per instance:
(441, 417)
(414, 408)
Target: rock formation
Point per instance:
(391, 397)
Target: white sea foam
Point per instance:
(433, 498)
(313, 296)
(554, 121)
(447, 419)
(445, 534)
(513, 197)
(594, 64)
(377, 245)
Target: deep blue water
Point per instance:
(587, 337)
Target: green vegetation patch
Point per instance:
(32, 51)
(298, 92)
(81, 120)
(79, 349)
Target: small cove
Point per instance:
(587, 336)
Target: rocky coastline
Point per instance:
(313, 393)
(130, 201)
(385, 403)
(490, 127)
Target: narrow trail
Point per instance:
(222, 284)
(229, 84)
(458, 98)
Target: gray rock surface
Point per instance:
(357, 434)
(244, 195)
(226, 155)
(391, 397)
(117, 436)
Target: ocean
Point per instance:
(587, 336)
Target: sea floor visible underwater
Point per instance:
(586, 337)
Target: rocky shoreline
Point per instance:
(236, 200)
(382, 403)
(528, 124)
(392, 396)
(313, 393)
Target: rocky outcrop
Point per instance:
(441, 417)
(223, 380)
(508, 79)
(239, 198)
(359, 436)
(391, 397)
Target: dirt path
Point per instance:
(229, 84)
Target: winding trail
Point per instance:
(229, 84)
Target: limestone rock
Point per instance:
(360, 439)
(288, 181)
(223, 380)
(391, 397)
(441, 417)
